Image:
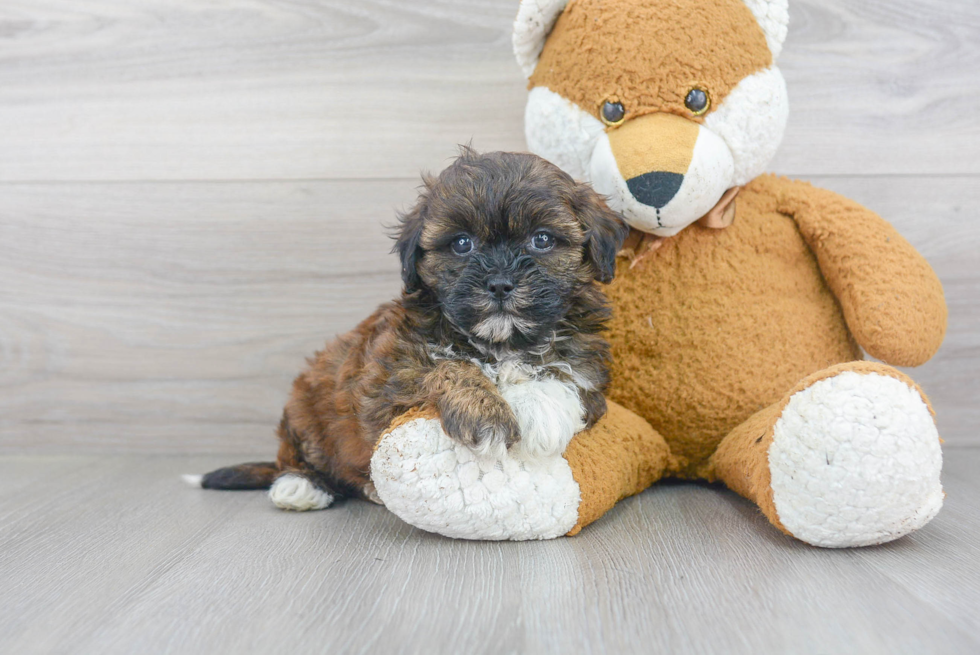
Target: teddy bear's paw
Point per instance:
(855, 461)
(440, 485)
(549, 413)
(296, 493)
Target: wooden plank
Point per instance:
(947, 545)
(874, 86)
(117, 556)
(254, 89)
(149, 313)
(172, 317)
(84, 537)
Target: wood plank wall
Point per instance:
(193, 192)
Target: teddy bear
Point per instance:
(743, 302)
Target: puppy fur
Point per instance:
(500, 258)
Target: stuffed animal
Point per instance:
(742, 301)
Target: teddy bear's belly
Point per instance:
(716, 325)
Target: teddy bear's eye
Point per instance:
(612, 113)
(697, 101)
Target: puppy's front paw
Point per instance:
(479, 420)
(549, 413)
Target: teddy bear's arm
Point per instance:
(892, 300)
(440, 485)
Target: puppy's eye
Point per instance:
(697, 101)
(462, 244)
(612, 113)
(542, 241)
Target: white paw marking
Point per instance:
(492, 442)
(296, 493)
(855, 461)
(192, 480)
(549, 414)
(436, 484)
(372, 494)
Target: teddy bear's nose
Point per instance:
(655, 189)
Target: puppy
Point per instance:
(498, 328)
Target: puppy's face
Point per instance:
(506, 242)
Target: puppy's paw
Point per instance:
(549, 413)
(296, 493)
(371, 493)
(481, 421)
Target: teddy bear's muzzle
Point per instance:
(662, 171)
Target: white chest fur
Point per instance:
(548, 410)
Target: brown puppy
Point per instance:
(498, 328)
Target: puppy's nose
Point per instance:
(500, 286)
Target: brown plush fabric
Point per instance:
(655, 142)
(596, 53)
(742, 459)
(716, 325)
(424, 412)
(620, 456)
(893, 302)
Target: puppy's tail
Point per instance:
(254, 475)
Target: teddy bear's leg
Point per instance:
(850, 457)
(441, 486)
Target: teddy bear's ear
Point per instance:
(773, 18)
(534, 21)
(535, 18)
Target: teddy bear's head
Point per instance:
(663, 105)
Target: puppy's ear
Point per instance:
(605, 231)
(407, 242)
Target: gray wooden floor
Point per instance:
(116, 555)
(192, 200)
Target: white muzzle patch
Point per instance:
(499, 327)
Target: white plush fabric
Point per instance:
(534, 21)
(438, 485)
(296, 493)
(751, 121)
(558, 130)
(855, 461)
(773, 18)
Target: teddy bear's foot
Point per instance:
(852, 458)
(439, 485)
(855, 461)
